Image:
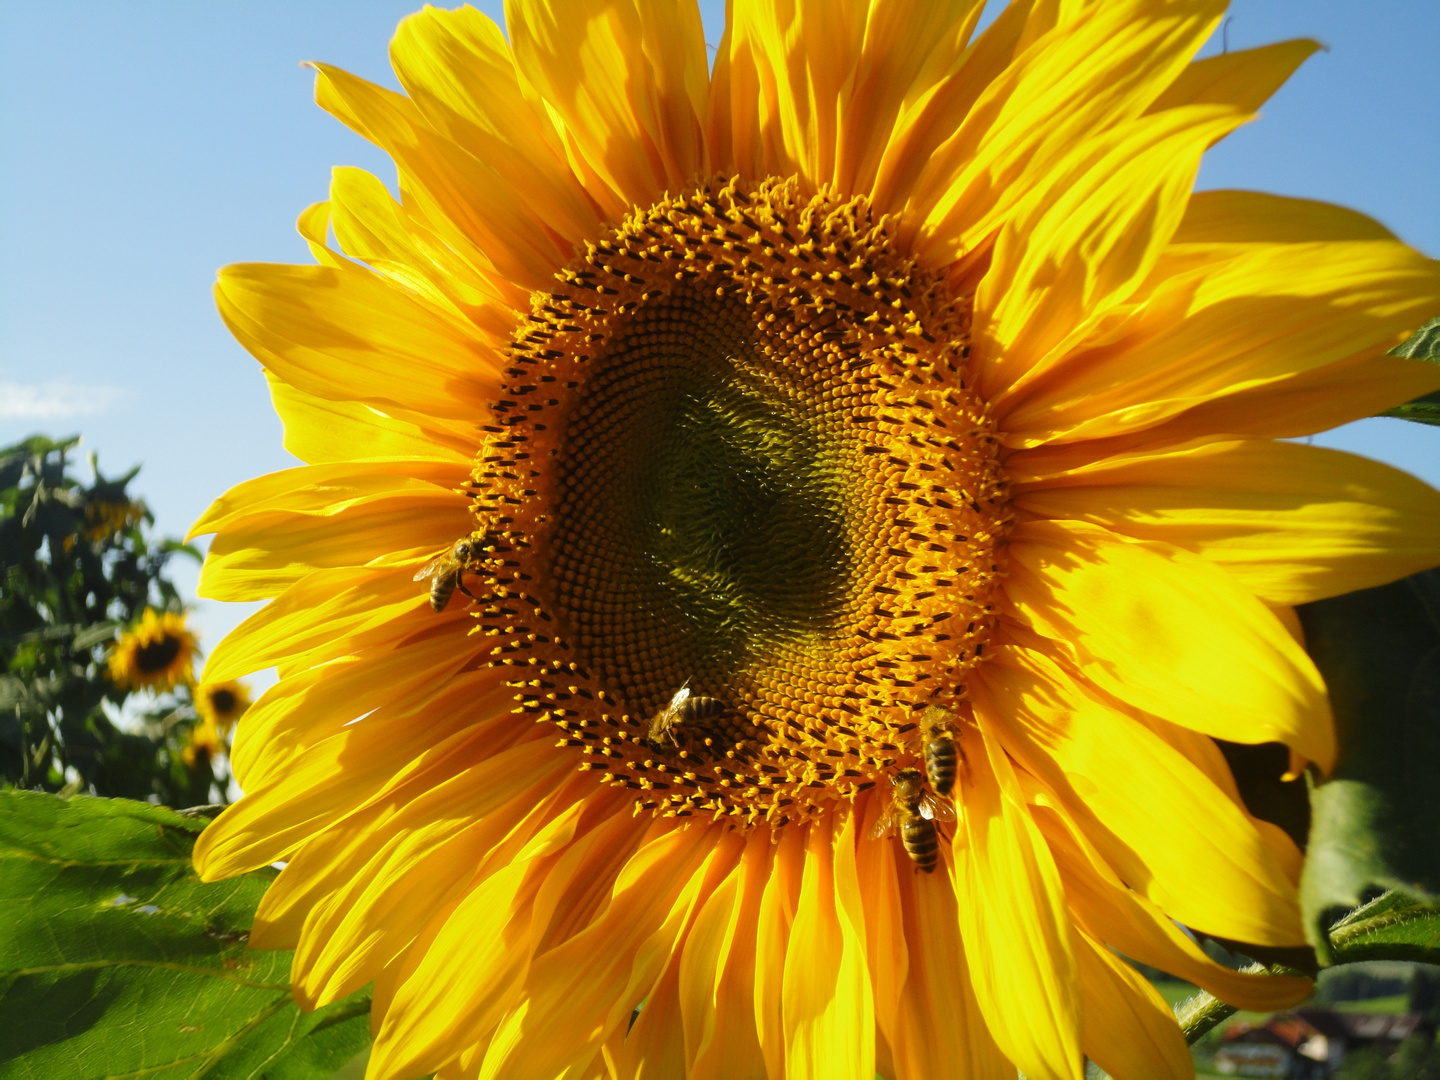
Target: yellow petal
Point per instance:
(1171, 634)
(805, 53)
(441, 1005)
(1257, 217)
(319, 431)
(939, 1029)
(346, 334)
(1292, 523)
(885, 934)
(1103, 66)
(259, 555)
(581, 990)
(627, 80)
(942, 108)
(395, 242)
(1013, 921)
(1252, 315)
(905, 48)
(717, 974)
(322, 489)
(654, 1047)
(1111, 912)
(458, 69)
(826, 1006)
(1221, 879)
(477, 209)
(311, 705)
(1297, 405)
(377, 897)
(1129, 1030)
(1086, 239)
(322, 608)
(777, 912)
(1245, 78)
(1308, 402)
(340, 773)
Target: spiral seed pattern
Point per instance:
(739, 451)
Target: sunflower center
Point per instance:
(703, 499)
(222, 701)
(739, 512)
(157, 655)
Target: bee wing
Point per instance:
(433, 568)
(937, 809)
(883, 823)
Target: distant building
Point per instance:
(1310, 1043)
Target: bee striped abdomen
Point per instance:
(940, 764)
(441, 589)
(922, 843)
(699, 708)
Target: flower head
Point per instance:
(221, 704)
(204, 741)
(779, 541)
(155, 654)
(104, 518)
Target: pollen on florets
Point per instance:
(738, 460)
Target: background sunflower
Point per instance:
(157, 653)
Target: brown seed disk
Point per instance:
(738, 453)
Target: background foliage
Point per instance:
(79, 565)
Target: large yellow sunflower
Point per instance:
(157, 653)
(691, 450)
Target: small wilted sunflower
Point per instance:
(104, 519)
(204, 742)
(221, 704)
(742, 423)
(155, 654)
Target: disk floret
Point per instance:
(738, 462)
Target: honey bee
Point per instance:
(937, 738)
(914, 811)
(445, 570)
(684, 708)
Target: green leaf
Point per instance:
(1393, 927)
(1424, 344)
(1423, 410)
(116, 961)
(1376, 820)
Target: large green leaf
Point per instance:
(1376, 820)
(1424, 344)
(117, 961)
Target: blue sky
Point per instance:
(144, 145)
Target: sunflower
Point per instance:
(221, 704)
(156, 653)
(202, 744)
(104, 519)
(712, 469)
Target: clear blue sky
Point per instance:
(143, 145)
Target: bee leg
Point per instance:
(460, 584)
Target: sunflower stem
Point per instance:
(1199, 1014)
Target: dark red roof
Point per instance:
(1293, 1028)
